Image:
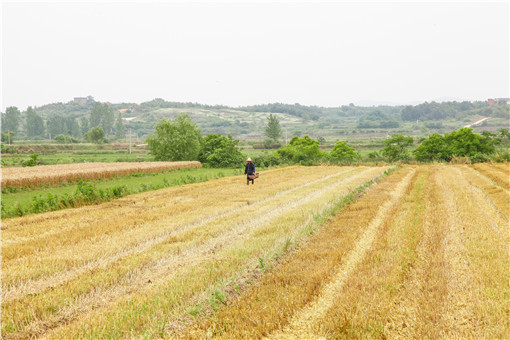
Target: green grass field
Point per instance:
(78, 153)
(14, 199)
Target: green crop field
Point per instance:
(17, 201)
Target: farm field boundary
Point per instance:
(43, 174)
(21, 201)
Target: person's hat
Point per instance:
(248, 160)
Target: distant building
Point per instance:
(80, 100)
(498, 101)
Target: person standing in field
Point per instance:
(249, 169)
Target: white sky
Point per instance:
(242, 53)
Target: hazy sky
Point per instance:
(241, 53)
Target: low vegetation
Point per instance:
(20, 201)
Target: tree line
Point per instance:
(181, 139)
(63, 128)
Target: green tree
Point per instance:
(108, 119)
(95, 135)
(119, 127)
(464, 142)
(459, 143)
(504, 134)
(76, 129)
(273, 129)
(11, 119)
(301, 150)
(433, 148)
(177, 140)
(395, 148)
(102, 115)
(84, 125)
(8, 137)
(220, 151)
(57, 125)
(343, 152)
(95, 115)
(35, 124)
(69, 122)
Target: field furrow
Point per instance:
(305, 321)
(33, 286)
(493, 205)
(496, 174)
(477, 263)
(107, 283)
(445, 286)
(270, 305)
(415, 302)
(496, 195)
(126, 223)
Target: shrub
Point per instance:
(65, 139)
(460, 143)
(478, 158)
(343, 152)
(5, 148)
(33, 161)
(267, 159)
(395, 148)
(301, 150)
(177, 140)
(96, 135)
(220, 151)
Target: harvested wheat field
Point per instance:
(51, 174)
(306, 252)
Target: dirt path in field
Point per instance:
(39, 285)
(477, 122)
(167, 266)
(304, 321)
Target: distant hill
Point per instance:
(333, 123)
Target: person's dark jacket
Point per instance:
(249, 169)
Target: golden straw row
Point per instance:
(258, 234)
(51, 174)
(496, 194)
(106, 229)
(270, 305)
(495, 173)
(172, 229)
(438, 268)
(440, 271)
